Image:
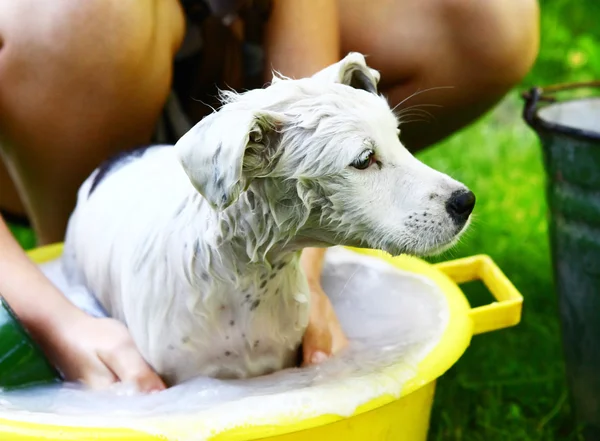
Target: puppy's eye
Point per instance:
(365, 160)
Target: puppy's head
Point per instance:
(325, 155)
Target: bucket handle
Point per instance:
(503, 313)
(536, 94)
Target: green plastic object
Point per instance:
(22, 362)
(566, 119)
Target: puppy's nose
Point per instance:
(460, 205)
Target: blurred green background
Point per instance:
(510, 385)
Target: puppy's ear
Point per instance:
(352, 71)
(219, 154)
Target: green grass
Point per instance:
(510, 385)
(24, 236)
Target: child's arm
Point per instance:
(324, 335)
(98, 352)
(303, 37)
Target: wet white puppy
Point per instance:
(196, 248)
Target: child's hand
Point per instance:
(98, 352)
(324, 335)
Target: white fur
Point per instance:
(205, 274)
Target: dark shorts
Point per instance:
(174, 121)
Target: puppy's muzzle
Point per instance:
(460, 205)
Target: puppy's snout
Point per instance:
(460, 205)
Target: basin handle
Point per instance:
(506, 310)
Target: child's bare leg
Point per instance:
(78, 81)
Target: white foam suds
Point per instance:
(392, 318)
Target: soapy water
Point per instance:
(392, 319)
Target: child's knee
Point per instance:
(84, 63)
(499, 37)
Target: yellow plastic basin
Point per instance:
(404, 418)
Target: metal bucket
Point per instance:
(569, 130)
